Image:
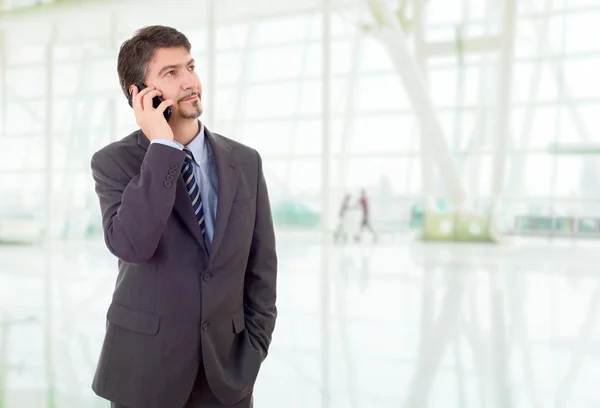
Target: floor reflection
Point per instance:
(401, 324)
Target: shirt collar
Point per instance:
(197, 144)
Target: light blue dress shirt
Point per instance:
(205, 171)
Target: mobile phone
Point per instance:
(157, 100)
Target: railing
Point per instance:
(566, 226)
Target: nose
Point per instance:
(189, 81)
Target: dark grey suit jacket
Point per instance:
(175, 306)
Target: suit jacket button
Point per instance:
(172, 172)
(174, 166)
(205, 326)
(168, 184)
(170, 178)
(206, 277)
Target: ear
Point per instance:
(131, 88)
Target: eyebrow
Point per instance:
(170, 67)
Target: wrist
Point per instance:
(168, 142)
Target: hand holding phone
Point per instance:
(151, 112)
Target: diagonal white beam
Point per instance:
(439, 337)
(391, 35)
(516, 181)
(545, 46)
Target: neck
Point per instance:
(184, 130)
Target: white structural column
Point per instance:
(49, 219)
(326, 118)
(212, 63)
(390, 33)
(427, 174)
(3, 84)
(241, 89)
(297, 105)
(349, 122)
(49, 135)
(502, 127)
(325, 206)
(477, 134)
(515, 181)
(113, 45)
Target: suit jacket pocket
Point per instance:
(239, 320)
(242, 205)
(133, 319)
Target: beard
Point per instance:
(191, 113)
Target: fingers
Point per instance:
(148, 96)
(135, 104)
(164, 105)
(138, 97)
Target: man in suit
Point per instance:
(186, 212)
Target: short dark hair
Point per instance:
(137, 52)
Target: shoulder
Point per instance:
(119, 151)
(122, 146)
(245, 155)
(234, 145)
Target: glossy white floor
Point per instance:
(397, 324)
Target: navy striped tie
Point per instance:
(193, 189)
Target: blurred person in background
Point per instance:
(342, 229)
(365, 222)
(186, 211)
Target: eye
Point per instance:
(170, 73)
(192, 67)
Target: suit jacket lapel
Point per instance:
(183, 205)
(228, 173)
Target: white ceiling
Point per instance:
(89, 15)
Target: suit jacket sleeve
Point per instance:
(261, 273)
(135, 210)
